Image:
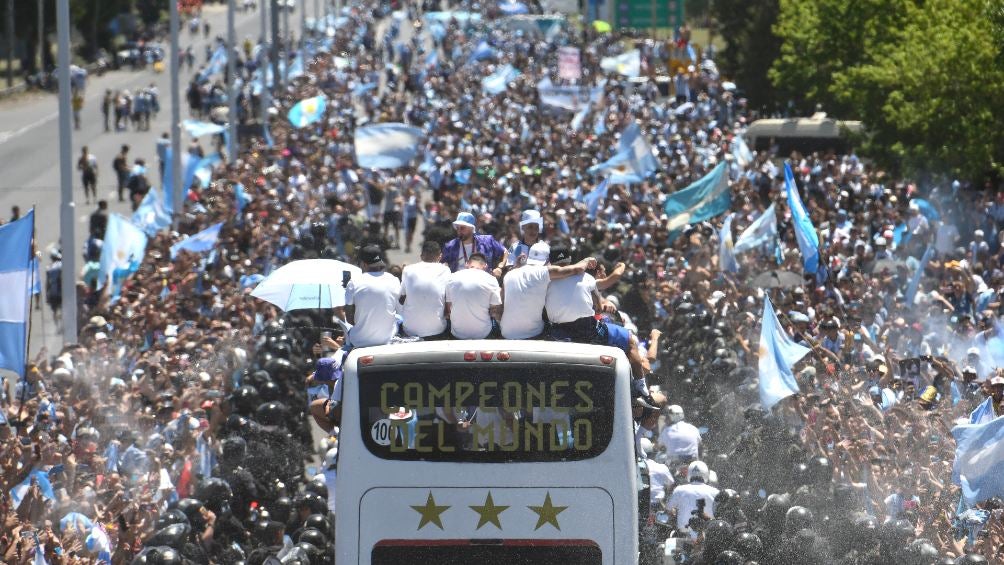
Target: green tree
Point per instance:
(751, 48)
(821, 39)
(931, 99)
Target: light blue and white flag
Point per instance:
(726, 256)
(567, 97)
(911, 289)
(633, 162)
(741, 151)
(241, 197)
(36, 277)
(151, 216)
(15, 278)
(188, 166)
(217, 63)
(760, 233)
(203, 171)
(984, 412)
(386, 146)
(498, 81)
(307, 111)
(18, 493)
(296, 67)
(706, 198)
(580, 117)
(594, 197)
(805, 233)
(979, 456)
(198, 128)
(777, 354)
(98, 542)
(122, 252)
(201, 242)
(482, 51)
(626, 64)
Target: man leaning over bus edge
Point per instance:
(572, 304)
(525, 291)
(458, 251)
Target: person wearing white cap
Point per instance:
(979, 248)
(916, 222)
(458, 251)
(684, 499)
(525, 291)
(531, 228)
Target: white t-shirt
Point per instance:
(660, 478)
(424, 288)
(525, 294)
(684, 500)
(680, 440)
(570, 299)
(375, 296)
(471, 292)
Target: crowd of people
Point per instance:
(177, 428)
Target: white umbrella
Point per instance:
(307, 284)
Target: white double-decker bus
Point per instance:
(486, 452)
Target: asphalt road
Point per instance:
(29, 148)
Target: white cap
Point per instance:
(973, 351)
(978, 233)
(538, 254)
(697, 470)
(531, 217)
(675, 412)
(881, 241)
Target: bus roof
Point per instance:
(818, 126)
(516, 351)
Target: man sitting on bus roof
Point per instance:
(371, 301)
(572, 304)
(473, 301)
(423, 295)
(525, 291)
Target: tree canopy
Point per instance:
(926, 77)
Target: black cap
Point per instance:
(560, 253)
(371, 255)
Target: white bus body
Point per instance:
(411, 486)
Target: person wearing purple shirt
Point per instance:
(467, 243)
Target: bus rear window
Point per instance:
(487, 413)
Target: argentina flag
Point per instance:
(122, 252)
(805, 233)
(386, 146)
(777, 354)
(15, 278)
(307, 111)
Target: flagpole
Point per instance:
(232, 83)
(31, 295)
(175, 164)
(67, 216)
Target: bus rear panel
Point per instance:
(492, 451)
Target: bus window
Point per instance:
(483, 414)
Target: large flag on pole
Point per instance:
(777, 354)
(762, 231)
(15, 279)
(386, 146)
(706, 198)
(805, 233)
(151, 216)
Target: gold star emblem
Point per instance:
(489, 512)
(548, 513)
(430, 513)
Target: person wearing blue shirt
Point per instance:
(458, 250)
